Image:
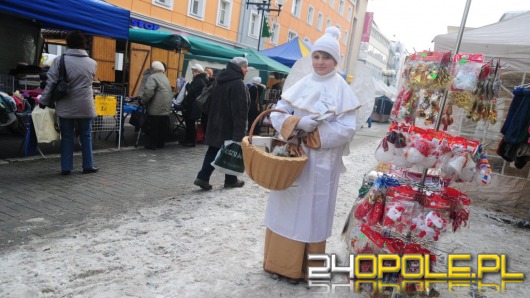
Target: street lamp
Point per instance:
(265, 6)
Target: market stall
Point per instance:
(509, 42)
(409, 203)
(20, 68)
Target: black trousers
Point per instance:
(191, 131)
(156, 129)
(252, 115)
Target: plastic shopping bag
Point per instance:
(229, 159)
(44, 124)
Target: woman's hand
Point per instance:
(308, 123)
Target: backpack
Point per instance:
(204, 99)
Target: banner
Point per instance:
(367, 27)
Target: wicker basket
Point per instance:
(268, 170)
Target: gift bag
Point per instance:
(44, 124)
(229, 159)
(200, 133)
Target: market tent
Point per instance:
(256, 60)
(213, 62)
(508, 40)
(158, 39)
(381, 89)
(264, 63)
(288, 53)
(201, 46)
(91, 16)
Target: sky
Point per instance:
(416, 22)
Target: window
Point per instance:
(291, 35)
(320, 19)
(332, 3)
(345, 37)
(224, 13)
(350, 13)
(341, 7)
(328, 22)
(275, 32)
(306, 39)
(196, 8)
(253, 29)
(168, 4)
(310, 15)
(297, 7)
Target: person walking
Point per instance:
(256, 90)
(299, 219)
(76, 109)
(157, 96)
(227, 119)
(191, 111)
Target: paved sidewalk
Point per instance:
(35, 199)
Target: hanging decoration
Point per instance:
(407, 205)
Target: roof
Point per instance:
(507, 40)
(95, 17)
(289, 52)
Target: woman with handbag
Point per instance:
(320, 107)
(191, 110)
(75, 109)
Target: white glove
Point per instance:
(308, 123)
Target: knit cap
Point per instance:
(239, 61)
(198, 67)
(158, 66)
(329, 43)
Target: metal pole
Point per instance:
(462, 26)
(444, 98)
(261, 26)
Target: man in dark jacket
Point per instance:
(191, 111)
(227, 118)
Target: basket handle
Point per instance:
(261, 115)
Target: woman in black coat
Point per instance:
(227, 118)
(191, 111)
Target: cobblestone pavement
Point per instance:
(35, 200)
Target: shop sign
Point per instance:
(143, 24)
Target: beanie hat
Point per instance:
(198, 67)
(256, 80)
(329, 43)
(239, 61)
(157, 66)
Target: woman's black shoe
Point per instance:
(64, 173)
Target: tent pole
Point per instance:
(444, 98)
(462, 26)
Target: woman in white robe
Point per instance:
(322, 105)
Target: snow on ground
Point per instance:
(210, 244)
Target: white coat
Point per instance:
(305, 211)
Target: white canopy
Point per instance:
(381, 89)
(508, 40)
